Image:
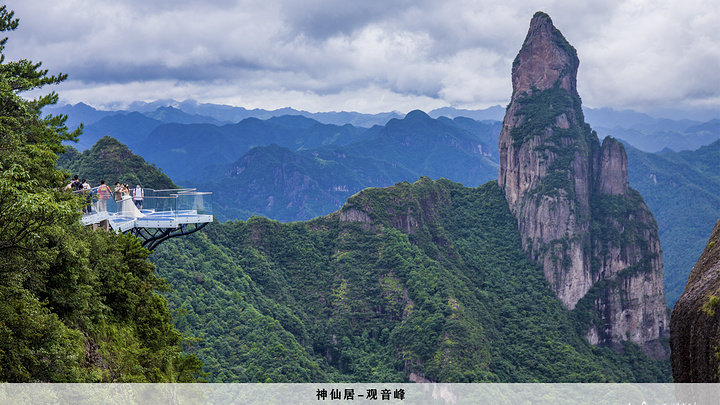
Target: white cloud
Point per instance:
(654, 55)
(638, 54)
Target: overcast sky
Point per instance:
(365, 55)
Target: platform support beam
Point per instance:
(152, 237)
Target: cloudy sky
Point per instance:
(365, 55)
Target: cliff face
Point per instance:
(695, 324)
(594, 236)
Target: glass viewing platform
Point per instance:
(160, 214)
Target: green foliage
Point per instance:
(618, 220)
(540, 110)
(709, 307)
(682, 189)
(75, 305)
(427, 278)
(112, 161)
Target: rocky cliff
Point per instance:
(594, 236)
(695, 324)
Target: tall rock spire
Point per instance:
(576, 213)
(545, 148)
(546, 59)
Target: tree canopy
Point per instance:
(75, 305)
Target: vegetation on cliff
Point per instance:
(427, 278)
(75, 305)
(578, 218)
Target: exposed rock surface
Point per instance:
(695, 322)
(594, 236)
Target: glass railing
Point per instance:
(171, 191)
(195, 202)
(157, 205)
(155, 208)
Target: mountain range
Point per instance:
(682, 189)
(562, 236)
(640, 130)
(415, 282)
(510, 281)
(316, 167)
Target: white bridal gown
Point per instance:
(127, 208)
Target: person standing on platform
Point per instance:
(103, 193)
(74, 184)
(87, 192)
(118, 191)
(138, 195)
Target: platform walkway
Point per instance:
(163, 213)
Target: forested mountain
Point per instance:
(183, 151)
(278, 183)
(683, 191)
(112, 161)
(298, 185)
(434, 281)
(75, 305)
(423, 281)
(127, 128)
(435, 147)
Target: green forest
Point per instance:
(75, 305)
(112, 161)
(682, 189)
(416, 280)
(423, 281)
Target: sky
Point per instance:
(369, 56)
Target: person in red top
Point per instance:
(103, 193)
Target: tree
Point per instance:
(58, 319)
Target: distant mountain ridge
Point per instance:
(641, 130)
(682, 189)
(184, 150)
(292, 184)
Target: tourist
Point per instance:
(118, 191)
(138, 196)
(74, 184)
(87, 192)
(103, 193)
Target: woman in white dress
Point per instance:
(126, 206)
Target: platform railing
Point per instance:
(197, 202)
(158, 208)
(166, 205)
(172, 191)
